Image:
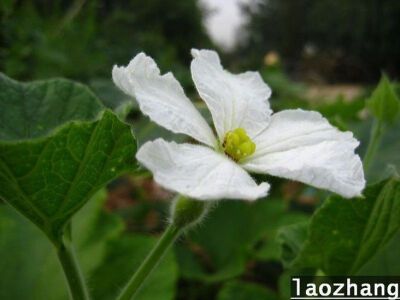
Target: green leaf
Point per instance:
(384, 104)
(239, 290)
(345, 234)
(386, 263)
(47, 172)
(220, 247)
(32, 110)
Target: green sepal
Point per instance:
(186, 211)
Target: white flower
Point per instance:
(294, 144)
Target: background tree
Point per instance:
(83, 39)
(352, 40)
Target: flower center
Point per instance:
(238, 145)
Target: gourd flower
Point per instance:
(294, 144)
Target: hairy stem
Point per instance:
(185, 212)
(151, 261)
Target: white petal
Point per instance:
(162, 98)
(235, 100)
(198, 172)
(302, 145)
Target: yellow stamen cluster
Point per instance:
(238, 145)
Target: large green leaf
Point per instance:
(49, 165)
(220, 247)
(345, 234)
(32, 110)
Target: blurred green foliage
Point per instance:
(84, 39)
(30, 269)
(237, 290)
(229, 238)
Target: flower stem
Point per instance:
(73, 275)
(185, 212)
(163, 244)
(374, 140)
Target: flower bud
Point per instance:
(187, 212)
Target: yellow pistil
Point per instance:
(238, 145)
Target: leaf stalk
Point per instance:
(72, 272)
